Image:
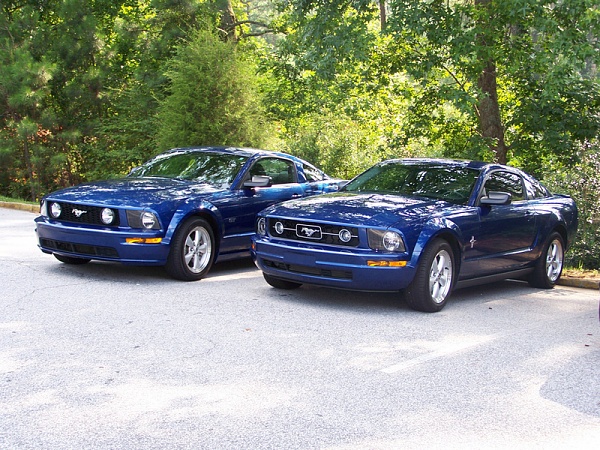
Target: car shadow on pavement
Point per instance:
(116, 272)
(323, 297)
(385, 301)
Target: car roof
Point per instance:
(242, 151)
(478, 165)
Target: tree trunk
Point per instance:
(382, 14)
(490, 122)
(228, 20)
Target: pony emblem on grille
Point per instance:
(308, 231)
(78, 212)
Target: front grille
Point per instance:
(317, 232)
(85, 214)
(82, 249)
(306, 270)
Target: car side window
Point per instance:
(535, 189)
(312, 173)
(502, 181)
(280, 170)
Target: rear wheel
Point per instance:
(192, 250)
(71, 259)
(548, 268)
(281, 284)
(433, 279)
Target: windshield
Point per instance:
(217, 169)
(440, 182)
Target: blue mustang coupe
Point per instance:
(420, 226)
(183, 209)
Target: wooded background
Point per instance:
(91, 88)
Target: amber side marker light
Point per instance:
(139, 240)
(386, 263)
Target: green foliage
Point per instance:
(213, 96)
(543, 54)
(582, 182)
(89, 75)
(342, 147)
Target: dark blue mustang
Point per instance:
(183, 209)
(420, 226)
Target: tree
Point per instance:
(213, 96)
(509, 71)
(24, 90)
(146, 36)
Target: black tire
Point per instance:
(71, 259)
(278, 283)
(548, 267)
(434, 278)
(192, 250)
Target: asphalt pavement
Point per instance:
(105, 356)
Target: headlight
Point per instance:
(386, 240)
(149, 220)
(55, 210)
(392, 241)
(107, 216)
(261, 226)
(142, 219)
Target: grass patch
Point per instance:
(16, 200)
(573, 272)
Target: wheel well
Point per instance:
(563, 233)
(213, 224)
(453, 242)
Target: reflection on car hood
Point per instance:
(135, 192)
(377, 210)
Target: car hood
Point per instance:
(133, 192)
(373, 210)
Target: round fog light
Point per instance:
(279, 228)
(107, 216)
(55, 210)
(345, 235)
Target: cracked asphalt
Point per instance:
(105, 356)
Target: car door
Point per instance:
(506, 232)
(239, 213)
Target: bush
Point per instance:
(214, 97)
(582, 182)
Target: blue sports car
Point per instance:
(420, 226)
(183, 209)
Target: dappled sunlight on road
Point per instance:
(145, 405)
(162, 401)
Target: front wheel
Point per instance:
(281, 284)
(71, 259)
(548, 267)
(433, 279)
(192, 250)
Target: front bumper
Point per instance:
(344, 269)
(91, 242)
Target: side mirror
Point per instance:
(258, 181)
(496, 198)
